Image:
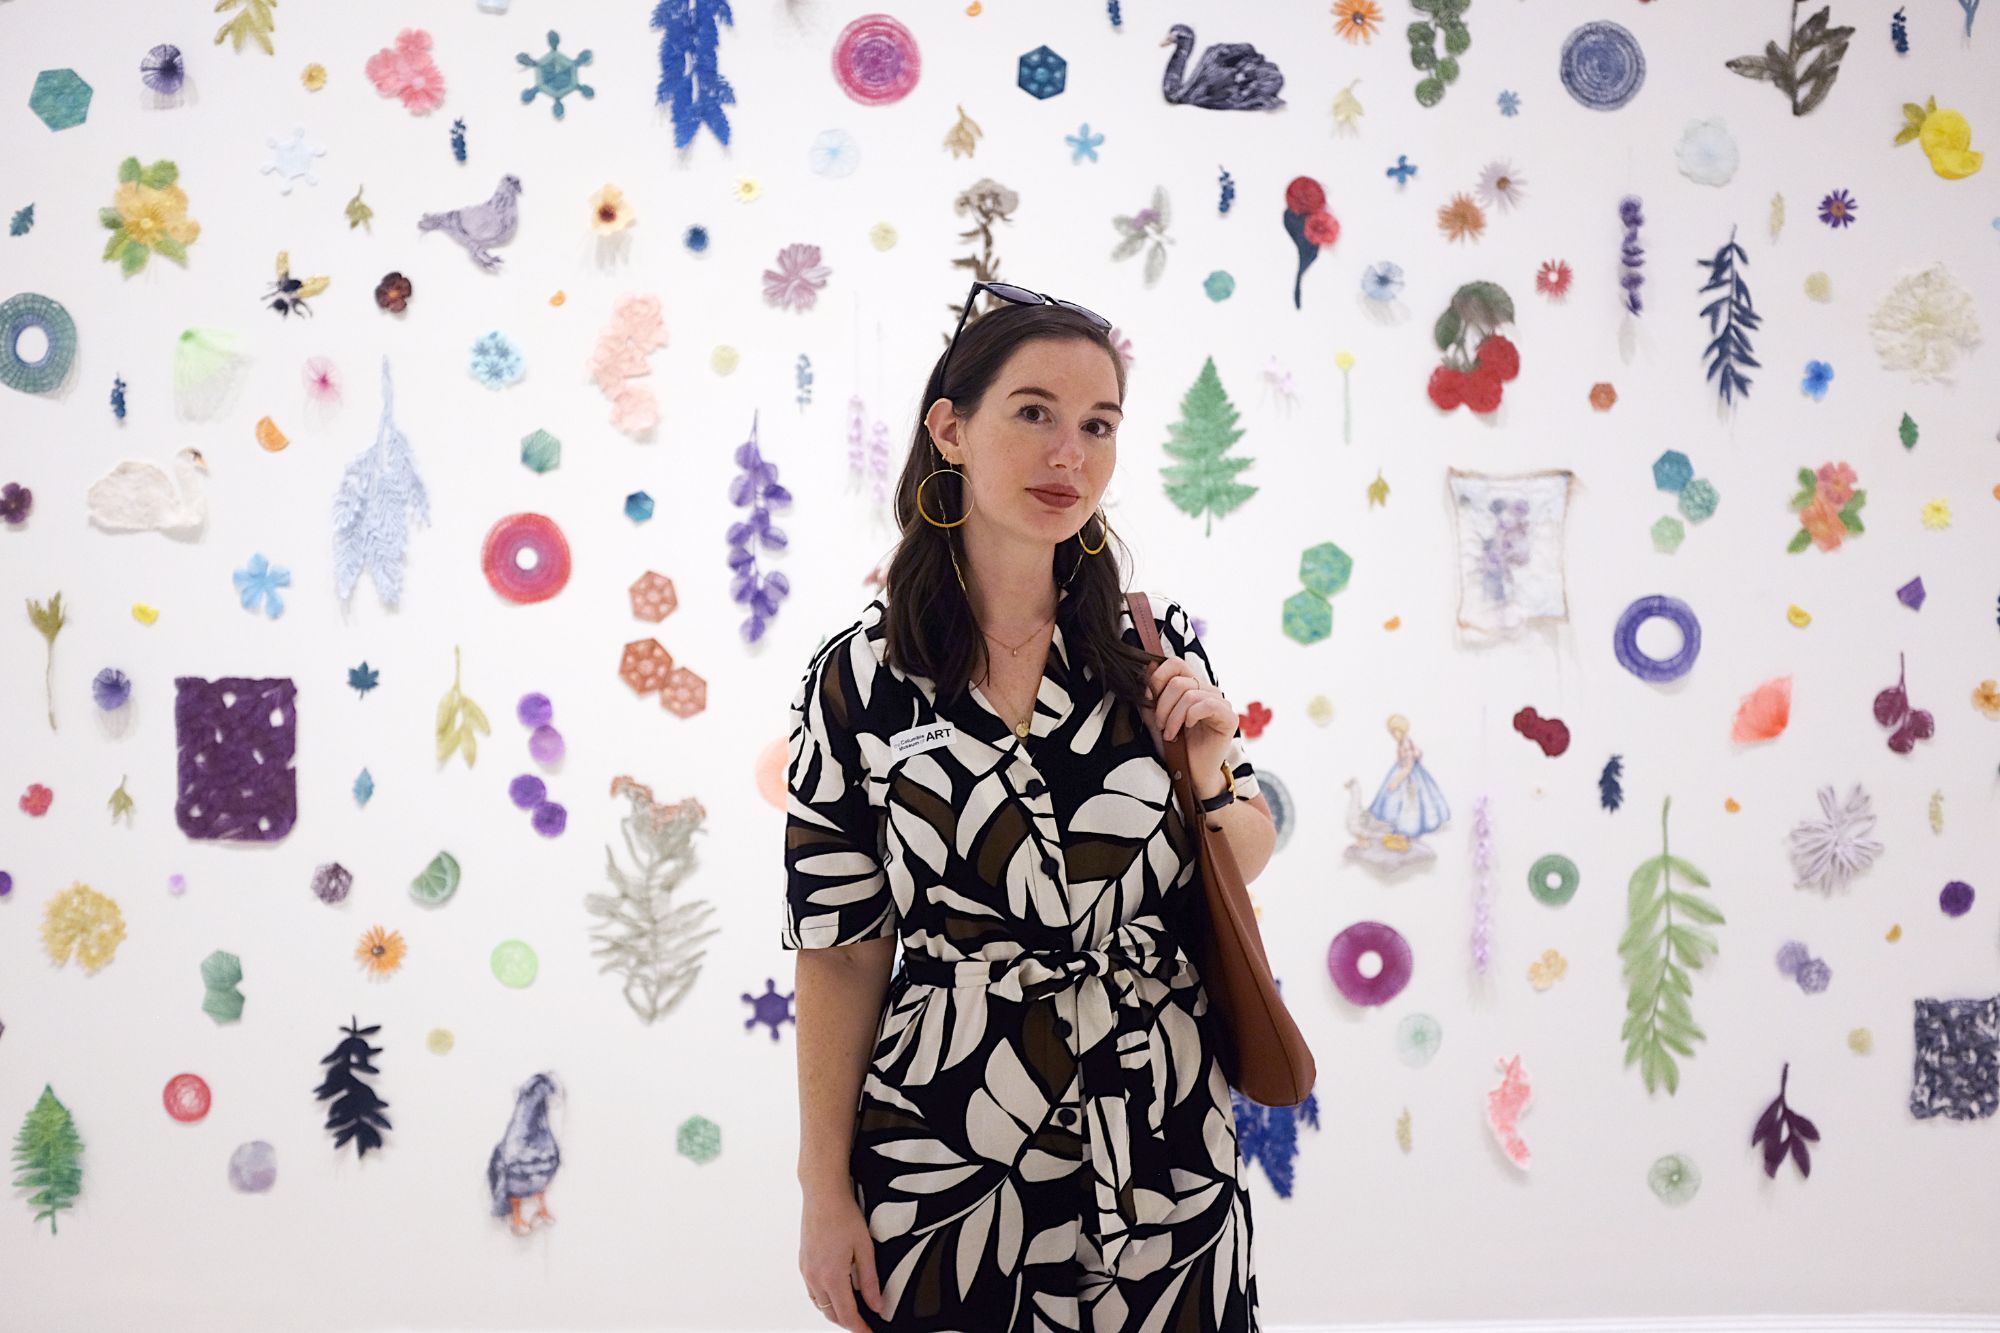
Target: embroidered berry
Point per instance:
(1499, 355)
(1482, 389)
(1447, 387)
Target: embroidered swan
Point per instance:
(140, 497)
(1230, 76)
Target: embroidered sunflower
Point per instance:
(1462, 217)
(148, 213)
(381, 951)
(1357, 20)
(1986, 698)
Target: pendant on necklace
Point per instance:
(1021, 729)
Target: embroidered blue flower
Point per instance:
(1403, 170)
(496, 361)
(1510, 103)
(259, 581)
(697, 239)
(1837, 210)
(835, 154)
(1819, 375)
(1083, 144)
(111, 688)
(1382, 282)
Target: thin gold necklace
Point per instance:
(1021, 728)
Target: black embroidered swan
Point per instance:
(1230, 76)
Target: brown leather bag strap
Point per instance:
(1176, 756)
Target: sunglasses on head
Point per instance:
(1007, 291)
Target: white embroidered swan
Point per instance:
(140, 497)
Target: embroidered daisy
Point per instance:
(381, 951)
(1937, 514)
(1356, 19)
(1500, 186)
(1837, 210)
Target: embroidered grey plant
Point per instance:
(644, 934)
(1828, 853)
(1147, 225)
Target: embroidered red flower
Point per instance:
(1552, 279)
(1322, 228)
(1305, 195)
(1253, 721)
(36, 799)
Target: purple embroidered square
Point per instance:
(1958, 1059)
(236, 738)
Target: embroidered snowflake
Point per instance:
(292, 160)
(555, 75)
(496, 361)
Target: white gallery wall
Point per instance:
(1899, 1213)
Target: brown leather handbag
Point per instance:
(1262, 1052)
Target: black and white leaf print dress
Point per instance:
(1044, 1139)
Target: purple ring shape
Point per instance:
(1343, 958)
(1625, 638)
(500, 557)
(875, 60)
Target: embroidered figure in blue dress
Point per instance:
(1409, 803)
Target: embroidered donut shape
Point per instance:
(526, 558)
(1343, 962)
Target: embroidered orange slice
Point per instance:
(269, 435)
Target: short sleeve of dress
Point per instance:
(836, 891)
(1178, 637)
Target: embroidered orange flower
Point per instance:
(1822, 520)
(1356, 19)
(381, 951)
(1602, 396)
(1462, 217)
(1986, 698)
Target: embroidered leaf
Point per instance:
(1730, 317)
(1656, 962)
(1202, 483)
(1782, 1130)
(1800, 540)
(458, 718)
(253, 20)
(1610, 793)
(363, 678)
(1805, 70)
(1908, 432)
(46, 1152)
(22, 222)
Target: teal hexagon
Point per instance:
(1698, 499)
(1308, 617)
(1668, 534)
(61, 98)
(1042, 73)
(540, 451)
(699, 1138)
(1325, 568)
(1671, 470)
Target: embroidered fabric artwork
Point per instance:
(84, 924)
(1923, 324)
(1827, 853)
(478, 227)
(689, 79)
(208, 365)
(1657, 962)
(525, 1160)
(406, 70)
(1957, 1072)
(141, 497)
(33, 311)
(1782, 1130)
(356, 1111)
(380, 496)
(635, 332)
(644, 932)
(236, 739)
(1504, 1106)
(1510, 550)
(48, 1153)
(1388, 833)
(1269, 1135)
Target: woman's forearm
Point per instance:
(838, 1003)
(1250, 831)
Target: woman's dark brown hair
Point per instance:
(929, 624)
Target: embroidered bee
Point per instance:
(288, 294)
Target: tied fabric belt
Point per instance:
(1112, 1040)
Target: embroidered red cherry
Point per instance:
(1482, 390)
(1447, 387)
(1253, 721)
(1499, 355)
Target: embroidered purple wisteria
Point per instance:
(756, 487)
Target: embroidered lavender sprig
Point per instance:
(1630, 255)
(1482, 886)
(757, 487)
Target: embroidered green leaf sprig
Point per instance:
(1663, 942)
(49, 617)
(253, 20)
(121, 804)
(458, 719)
(48, 1153)
(1440, 71)
(1805, 70)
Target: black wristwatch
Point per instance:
(1224, 797)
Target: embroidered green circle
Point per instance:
(1674, 1179)
(514, 963)
(1564, 872)
(19, 314)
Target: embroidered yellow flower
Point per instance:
(1798, 615)
(148, 213)
(1344, 360)
(746, 189)
(609, 213)
(882, 236)
(1937, 514)
(1545, 971)
(1986, 698)
(313, 77)
(82, 922)
(723, 359)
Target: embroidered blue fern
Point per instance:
(1610, 792)
(458, 139)
(804, 377)
(756, 486)
(688, 76)
(379, 495)
(1731, 317)
(1270, 1135)
(118, 397)
(1228, 191)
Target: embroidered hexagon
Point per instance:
(61, 98)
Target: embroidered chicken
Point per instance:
(481, 225)
(525, 1160)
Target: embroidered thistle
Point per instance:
(756, 487)
(380, 494)
(1631, 257)
(1730, 316)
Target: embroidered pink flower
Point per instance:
(1836, 483)
(636, 330)
(795, 283)
(406, 70)
(36, 799)
(634, 410)
(1821, 518)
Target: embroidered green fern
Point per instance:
(1658, 952)
(47, 1151)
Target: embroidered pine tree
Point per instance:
(47, 1153)
(688, 76)
(380, 495)
(1204, 482)
(253, 20)
(356, 1112)
(644, 934)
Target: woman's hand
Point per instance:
(1183, 702)
(833, 1243)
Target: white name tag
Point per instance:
(918, 739)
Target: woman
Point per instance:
(1025, 1127)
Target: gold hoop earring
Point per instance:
(920, 499)
(1102, 540)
